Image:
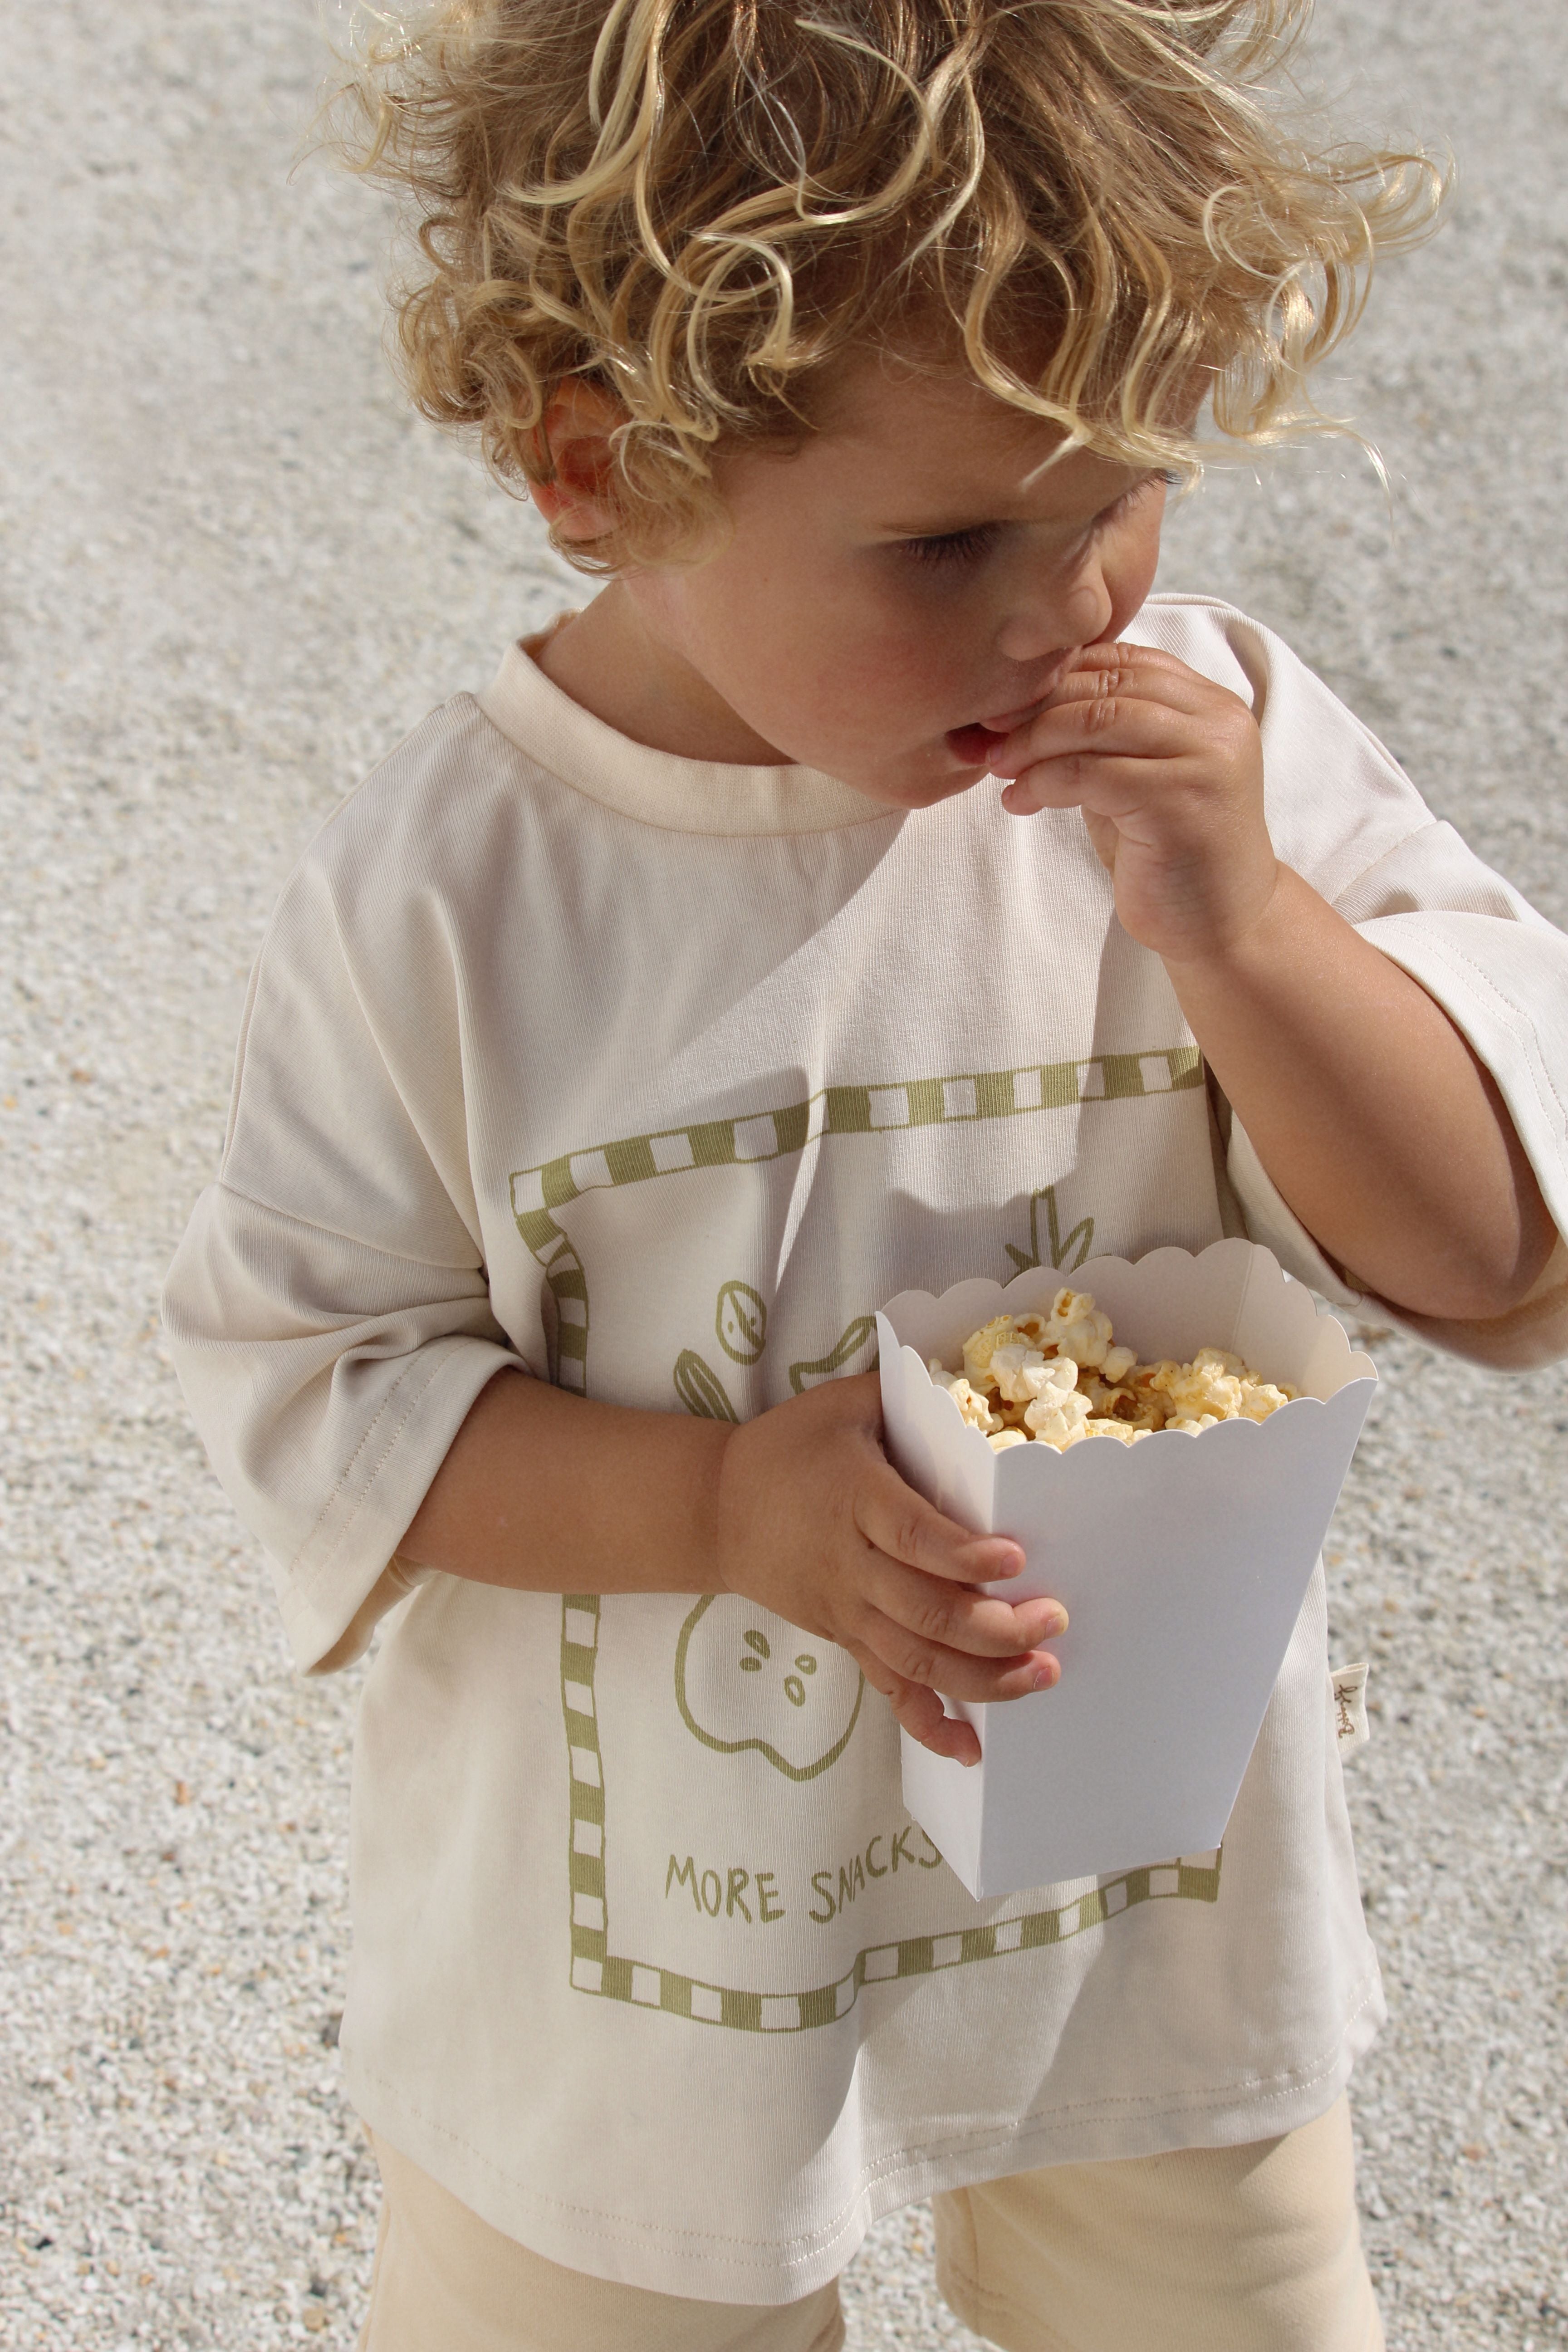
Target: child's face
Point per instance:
(901, 590)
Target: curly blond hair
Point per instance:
(1096, 207)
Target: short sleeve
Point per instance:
(1499, 970)
(328, 1311)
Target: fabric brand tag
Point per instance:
(1351, 1724)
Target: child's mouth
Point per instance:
(973, 746)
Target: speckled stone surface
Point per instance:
(235, 571)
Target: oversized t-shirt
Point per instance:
(655, 1079)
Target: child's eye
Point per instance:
(1130, 497)
(951, 546)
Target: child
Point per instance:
(643, 1024)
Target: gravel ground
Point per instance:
(235, 572)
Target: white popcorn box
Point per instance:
(1183, 1562)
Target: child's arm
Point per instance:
(1377, 1123)
(798, 1509)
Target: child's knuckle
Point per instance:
(916, 1659)
(931, 1617)
(881, 1678)
(910, 1535)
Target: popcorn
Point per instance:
(1057, 1420)
(1117, 1429)
(1024, 1376)
(1209, 1385)
(1059, 1378)
(978, 1350)
(970, 1405)
(1078, 1328)
(1261, 1398)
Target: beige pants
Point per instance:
(1251, 2249)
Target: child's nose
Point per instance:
(1075, 612)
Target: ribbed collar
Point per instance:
(656, 787)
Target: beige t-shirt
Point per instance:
(657, 1077)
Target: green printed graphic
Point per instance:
(700, 1389)
(1056, 1251)
(537, 1194)
(858, 1339)
(741, 1320)
(796, 1709)
(612, 1976)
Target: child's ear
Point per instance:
(579, 500)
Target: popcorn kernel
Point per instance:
(1058, 1379)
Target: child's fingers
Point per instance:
(1143, 671)
(1123, 653)
(922, 1715)
(955, 1616)
(1117, 787)
(982, 1681)
(896, 1520)
(1130, 698)
(1121, 726)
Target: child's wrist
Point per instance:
(1238, 953)
(715, 1511)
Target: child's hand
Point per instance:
(1168, 769)
(816, 1523)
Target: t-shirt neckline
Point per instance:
(659, 788)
